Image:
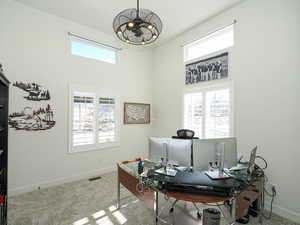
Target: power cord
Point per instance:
(261, 158)
(274, 193)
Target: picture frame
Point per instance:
(208, 69)
(136, 113)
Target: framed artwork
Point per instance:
(212, 68)
(136, 113)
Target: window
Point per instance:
(93, 120)
(92, 50)
(214, 42)
(208, 112)
(106, 120)
(83, 119)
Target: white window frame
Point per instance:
(206, 38)
(204, 87)
(228, 84)
(96, 44)
(97, 93)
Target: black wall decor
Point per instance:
(212, 68)
(32, 120)
(35, 91)
(4, 85)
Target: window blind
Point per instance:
(106, 120)
(208, 113)
(94, 123)
(217, 116)
(83, 120)
(193, 113)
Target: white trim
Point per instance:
(204, 113)
(283, 212)
(55, 182)
(97, 93)
(208, 33)
(207, 37)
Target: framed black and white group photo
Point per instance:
(213, 68)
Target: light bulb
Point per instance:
(127, 41)
(150, 26)
(155, 36)
(131, 24)
(119, 32)
(143, 42)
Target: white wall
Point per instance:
(34, 47)
(265, 64)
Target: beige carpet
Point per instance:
(93, 203)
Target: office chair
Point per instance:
(185, 134)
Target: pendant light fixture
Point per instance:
(137, 26)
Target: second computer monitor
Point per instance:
(180, 152)
(157, 149)
(177, 151)
(206, 150)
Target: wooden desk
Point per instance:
(237, 204)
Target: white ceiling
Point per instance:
(177, 15)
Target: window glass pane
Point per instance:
(214, 42)
(106, 120)
(83, 120)
(93, 51)
(193, 113)
(217, 115)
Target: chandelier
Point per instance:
(137, 26)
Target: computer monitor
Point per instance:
(180, 152)
(252, 159)
(206, 150)
(157, 149)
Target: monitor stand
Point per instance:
(167, 171)
(217, 175)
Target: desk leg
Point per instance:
(260, 203)
(119, 195)
(156, 207)
(233, 211)
(260, 209)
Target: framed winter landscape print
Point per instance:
(136, 113)
(212, 68)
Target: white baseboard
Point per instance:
(32, 187)
(283, 212)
